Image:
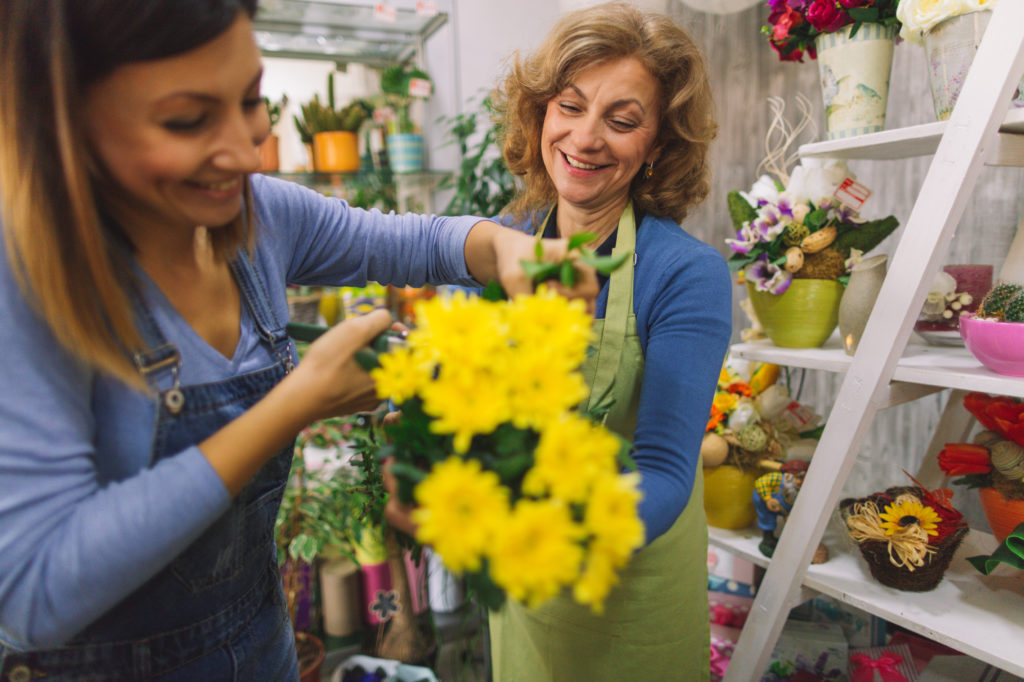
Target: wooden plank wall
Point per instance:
(744, 72)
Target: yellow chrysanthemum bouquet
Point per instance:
(514, 487)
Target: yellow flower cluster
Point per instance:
(476, 365)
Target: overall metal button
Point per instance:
(20, 673)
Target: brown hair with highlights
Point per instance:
(592, 36)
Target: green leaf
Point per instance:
(739, 210)
(606, 265)
(865, 236)
(567, 274)
(366, 358)
(581, 238)
(538, 272)
(863, 14)
(511, 468)
(538, 250)
(483, 589)
(493, 292)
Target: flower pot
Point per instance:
(311, 654)
(803, 316)
(269, 158)
(727, 501)
(1003, 515)
(854, 75)
(341, 597)
(950, 46)
(858, 300)
(336, 152)
(405, 152)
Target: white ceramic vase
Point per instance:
(854, 74)
(855, 307)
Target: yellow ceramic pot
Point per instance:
(803, 316)
(727, 496)
(336, 152)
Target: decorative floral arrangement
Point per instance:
(753, 419)
(514, 488)
(907, 535)
(793, 225)
(794, 24)
(917, 17)
(996, 457)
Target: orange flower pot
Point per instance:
(269, 158)
(1003, 515)
(336, 152)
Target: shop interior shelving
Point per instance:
(978, 615)
(343, 32)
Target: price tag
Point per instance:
(852, 194)
(420, 87)
(426, 8)
(382, 115)
(385, 12)
(798, 415)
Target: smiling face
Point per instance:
(599, 132)
(178, 135)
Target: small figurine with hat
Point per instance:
(773, 496)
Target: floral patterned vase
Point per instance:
(854, 73)
(803, 316)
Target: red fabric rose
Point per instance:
(826, 16)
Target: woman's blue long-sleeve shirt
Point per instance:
(84, 517)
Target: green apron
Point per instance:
(655, 622)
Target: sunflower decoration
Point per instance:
(907, 535)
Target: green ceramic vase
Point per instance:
(804, 316)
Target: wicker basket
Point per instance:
(876, 554)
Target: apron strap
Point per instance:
(617, 312)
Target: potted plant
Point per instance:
(483, 185)
(269, 157)
(401, 86)
(853, 42)
(333, 133)
(798, 234)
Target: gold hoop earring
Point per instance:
(649, 171)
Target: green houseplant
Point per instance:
(332, 132)
(401, 86)
(483, 184)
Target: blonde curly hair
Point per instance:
(590, 37)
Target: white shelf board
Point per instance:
(945, 366)
(981, 616)
(899, 143)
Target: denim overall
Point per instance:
(655, 622)
(217, 611)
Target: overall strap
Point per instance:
(617, 312)
(257, 297)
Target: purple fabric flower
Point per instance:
(768, 277)
(769, 223)
(746, 238)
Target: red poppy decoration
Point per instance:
(1001, 414)
(962, 459)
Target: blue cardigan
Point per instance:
(682, 298)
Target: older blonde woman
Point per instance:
(609, 123)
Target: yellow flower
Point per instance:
(546, 320)
(611, 515)
(461, 509)
(571, 455)
(725, 401)
(537, 552)
(459, 328)
(403, 372)
(597, 579)
(908, 511)
(466, 403)
(539, 391)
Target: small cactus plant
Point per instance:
(995, 301)
(1014, 310)
(794, 234)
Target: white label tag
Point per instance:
(852, 194)
(798, 415)
(426, 8)
(385, 12)
(420, 87)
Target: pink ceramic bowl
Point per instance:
(997, 345)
